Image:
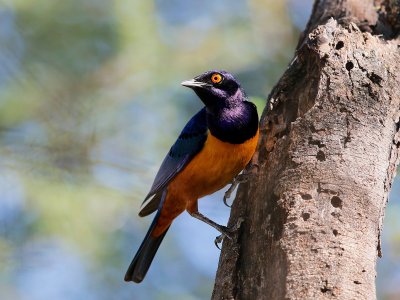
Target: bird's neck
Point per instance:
(234, 124)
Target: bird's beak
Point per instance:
(194, 83)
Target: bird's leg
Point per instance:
(225, 231)
(243, 177)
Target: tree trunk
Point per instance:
(327, 156)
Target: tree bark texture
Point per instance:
(327, 156)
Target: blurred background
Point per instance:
(90, 102)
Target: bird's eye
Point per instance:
(216, 78)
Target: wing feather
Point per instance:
(189, 143)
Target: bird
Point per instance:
(213, 148)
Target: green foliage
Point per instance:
(72, 37)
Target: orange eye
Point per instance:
(216, 78)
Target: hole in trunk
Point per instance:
(349, 65)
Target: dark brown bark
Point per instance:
(327, 156)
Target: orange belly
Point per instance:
(213, 168)
(209, 171)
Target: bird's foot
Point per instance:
(227, 232)
(243, 177)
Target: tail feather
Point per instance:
(144, 256)
(141, 262)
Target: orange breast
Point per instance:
(213, 167)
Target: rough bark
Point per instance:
(327, 156)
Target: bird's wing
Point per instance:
(189, 143)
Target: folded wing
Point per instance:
(189, 143)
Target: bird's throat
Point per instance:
(234, 125)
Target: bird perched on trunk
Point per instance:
(213, 147)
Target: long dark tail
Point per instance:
(144, 256)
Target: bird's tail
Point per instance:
(144, 256)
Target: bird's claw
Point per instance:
(218, 240)
(228, 193)
(235, 182)
(227, 232)
(243, 177)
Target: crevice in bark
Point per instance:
(389, 19)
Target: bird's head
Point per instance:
(216, 88)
